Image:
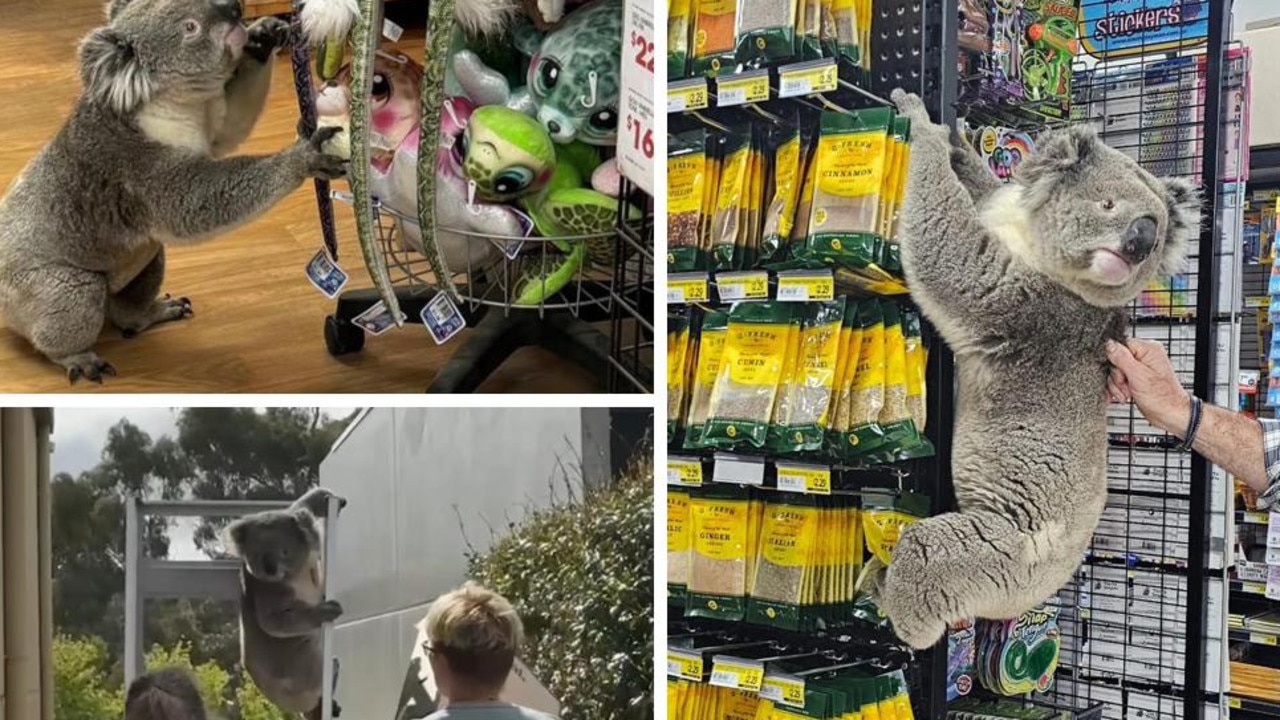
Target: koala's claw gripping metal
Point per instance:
(92, 370)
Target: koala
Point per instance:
(1025, 282)
(167, 694)
(171, 88)
(282, 608)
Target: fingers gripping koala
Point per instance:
(171, 87)
(1026, 282)
(166, 694)
(281, 604)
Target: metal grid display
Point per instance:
(631, 313)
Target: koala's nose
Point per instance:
(269, 565)
(228, 10)
(1139, 239)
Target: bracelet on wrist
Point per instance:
(1193, 424)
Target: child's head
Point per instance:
(473, 636)
(167, 694)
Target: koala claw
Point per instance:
(88, 366)
(329, 610)
(911, 105)
(266, 36)
(321, 164)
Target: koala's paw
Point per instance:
(329, 610)
(337, 709)
(86, 365)
(266, 36)
(910, 105)
(319, 163)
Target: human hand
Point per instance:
(1142, 373)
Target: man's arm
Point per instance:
(1143, 374)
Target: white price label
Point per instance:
(725, 678)
(675, 295)
(795, 85)
(796, 292)
(1273, 582)
(743, 286)
(727, 96)
(737, 470)
(1260, 639)
(635, 107)
(391, 31)
(804, 479)
(1273, 530)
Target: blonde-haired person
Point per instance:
(473, 636)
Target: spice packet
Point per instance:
(754, 354)
(846, 367)
(784, 561)
(720, 519)
(726, 224)
(780, 214)
(766, 32)
(713, 37)
(808, 179)
(686, 176)
(851, 157)
(895, 417)
(884, 514)
(677, 370)
(913, 346)
(902, 137)
(749, 239)
(809, 45)
(866, 398)
(678, 544)
(711, 340)
(802, 418)
(678, 20)
(844, 16)
(711, 189)
(790, 369)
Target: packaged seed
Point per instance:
(678, 38)
(711, 188)
(754, 353)
(766, 32)
(788, 543)
(755, 520)
(719, 518)
(715, 327)
(678, 544)
(844, 15)
(809, 177)
(801, 418)
(780, 213)
(749, 238)
(846, 367)
(677, 349)
(686, 177)
(895, 417)
(810, 44)
(901, 135)
(790, 370)
(889, 186)
(867, 396)
(913, 346)
(851, 158)
(884, 514)
(726, 223)
(713, 37)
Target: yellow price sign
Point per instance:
(687, 95)
(741, 89)
(1255, 588)
(743, 285)
(684, 665)
(783, 690)
(1233, 703)
(804, 479)
(686, 289)
(1257, 518)
(807, 78)
(1260, 639)
(684, 471)
(806, 288)
(737, 675)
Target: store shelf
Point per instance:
(1253, 705)
(1254, 637)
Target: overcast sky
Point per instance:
(79, 435)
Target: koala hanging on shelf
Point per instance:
(1026, 282)
(171, 87)
(282, 609)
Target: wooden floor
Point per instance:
(258, 322)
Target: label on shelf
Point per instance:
(783, 689)
(1260, 639)
(813, 479)
(738, 470)
(1273, 530)
(807, 285)
(737, 674)
(635, 109)
(686, 288)
(807, 78)
(1255, 588)
(1272, 590)
(749, 285)
(688, 94)
(1256, 518)
(742, 88)
(1233, 703)
(685, 665)
(684, 471)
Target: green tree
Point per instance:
(80, 670)
(581, 576)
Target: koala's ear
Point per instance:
(114, 7)
(1183, 200)
(112, 73)
(307, 525)
(1058, 151)
(237, 533)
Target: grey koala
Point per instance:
(170, 88)
(167, 694)
(281, 602)
(1025, 282)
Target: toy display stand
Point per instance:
(561, 323)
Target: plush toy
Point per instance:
(393, 108)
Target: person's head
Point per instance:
(473, 636)
(167, 694)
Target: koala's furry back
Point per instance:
(1029, 452)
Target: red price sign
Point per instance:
(643, 48)
(641, 136)
(635, 136)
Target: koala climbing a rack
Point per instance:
(1025, 282)
(171, 88)
(282, 605)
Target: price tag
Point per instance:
(1273, 530)
(686, 288)
(784, 690)
(807, 78)
(753, 285)
(737, 674)
(635, 108)
(687, 95)
(1260, 639)
(1255, 588)
(738, 470)
(812, 479)
(1272, 589)
(742, 88)
(806, 286)
(684, 471)
(1256, 518)
(1233, 703)
(684, 665)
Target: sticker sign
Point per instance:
(686, 288)
(684, 471)
(635, 98)
(1124, 28)
(738, 470)
(737, 674)
(687, 95)
(808, 78)
(743, 88)
(811, 479)
(783, 689)
(805, 286)
(684, 665)
(751, 285)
